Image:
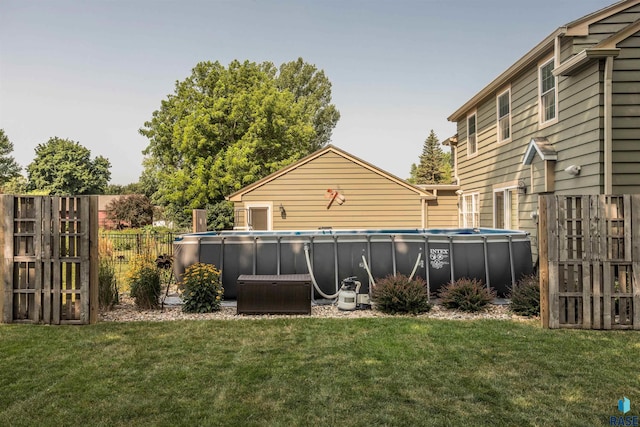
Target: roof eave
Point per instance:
(533, 55)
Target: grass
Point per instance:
(308, 372)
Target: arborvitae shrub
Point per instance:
(398, 294)
(466, 294)
(107, 286)
(201, 289)
(525, 296)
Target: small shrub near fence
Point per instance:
(525, 296)
(144, 280)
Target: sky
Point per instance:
(95, 71)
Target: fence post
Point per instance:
(94, 260)
(199, 220)
(543, 260)
(6, 239)
(635, 258)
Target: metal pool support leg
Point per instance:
(451, 258)
(278, 255)
(426, 264)
(335, 261)
(513, 271)
(393, 255)
(486, 262)
(255, 254)
(221, 266)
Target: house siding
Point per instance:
(443, 212)
(372, 200)
(626, 117)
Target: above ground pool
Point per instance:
(497, 257)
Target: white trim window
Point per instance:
(505, 208)
(504, 115)
(469, 210)
(259, 215)
(472, 135)
(548, 101)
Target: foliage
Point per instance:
(144, 281)
(107, 285)
(435, 164)
(398, 294)
(64, 167)
(201, 289)
(15, 185)
(525, 296)
(134, 210)
(226, 127)
(107, 282)
(9, 168)
(220, 216)
(132, 188)
(466, 294)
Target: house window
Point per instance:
(505, 208)
(504, 116)
(472, 146)
(469, 210)
(548, 95)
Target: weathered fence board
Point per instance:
(49, 259)
(590, 261)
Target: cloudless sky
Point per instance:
(94, 71)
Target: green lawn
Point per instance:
(288, 372)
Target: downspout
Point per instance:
(608, 127)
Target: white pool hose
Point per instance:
(366, 267)
(313, 279)
(415, 267)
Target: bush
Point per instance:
(144, 279)
(107, 285)
(398, 294)
(525, 296)
(466, 295)
(201, 289)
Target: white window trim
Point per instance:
(501, 141)
(268, 205)
(506, 208)
(462, 220)
(541, 121)
(475, 153)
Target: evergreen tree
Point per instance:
(434, 167)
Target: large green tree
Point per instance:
(226, 127)
(9, 168)
(434, 166)
(64, 167)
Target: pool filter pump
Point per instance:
(349, 297)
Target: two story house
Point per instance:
(564, 119)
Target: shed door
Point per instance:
(259, 218)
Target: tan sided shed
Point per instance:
(334, 189)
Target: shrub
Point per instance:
(398, 294)
(107, 285)
(201, 289)
(466, 295)
(144, 279)
(525, 296)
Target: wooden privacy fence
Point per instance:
(589, 250)
(49, 259)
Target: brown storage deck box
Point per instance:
(274, 294)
